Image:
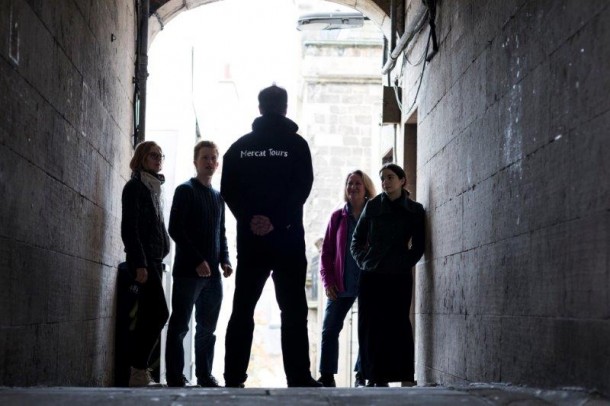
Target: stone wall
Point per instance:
(65, 143)
(513, 148)
(339, 114)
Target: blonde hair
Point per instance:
(369, 188)
(140, 154)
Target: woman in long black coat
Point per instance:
(388, 241)
(146, 244)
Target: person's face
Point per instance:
(153, 162)
(354, 189)
(206, 162)
(391, 183)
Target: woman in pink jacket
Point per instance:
(339, 272)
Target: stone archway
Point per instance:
(163, 11)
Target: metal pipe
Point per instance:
(404, 41)
(393, 24)
(142, 69)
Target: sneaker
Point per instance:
(359, 382)
(208, 382)
(305, 383)
(142, 378)
(181, 382)
(328, 380)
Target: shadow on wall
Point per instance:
(424, 327)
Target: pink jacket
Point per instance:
(332, 258)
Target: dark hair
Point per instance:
(140, 154)
(273, 99)
(396, 169)
(204, 144)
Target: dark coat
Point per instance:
(381, 239)
(380, 246)
(268, 172)
(143, 232)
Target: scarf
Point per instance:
(153, 183)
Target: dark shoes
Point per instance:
(229, 384)
(208, 382)
(359, 382)
(372, 384)
(327, 380)
(305, 383)
(180, 382)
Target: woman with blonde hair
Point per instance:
(146, 244)
(339, 272)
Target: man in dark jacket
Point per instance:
(197, 225)
(266, 179)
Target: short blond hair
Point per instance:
(204, 144)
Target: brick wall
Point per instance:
(513, 147)
(65, 101)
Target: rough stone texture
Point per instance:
(478, 394)
(65, 142)
(513, 152)
(513, 148)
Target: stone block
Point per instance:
(549, 265)
(5, 29)
(558, 348)
(579, 76)
(477, 219)
(542, 188)
(481, 143)
(522, 284)
(588, 166)
(446, 234)
(28, 286)
(586, 268)
(485, 280)
(482, 354)
(535, 123)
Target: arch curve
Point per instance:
(163, 11)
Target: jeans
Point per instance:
(206, 295)
(289, 281)
(334, 315)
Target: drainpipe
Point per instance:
(142, 70)
(393, 24)
(417, 24)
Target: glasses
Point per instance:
(156, 156)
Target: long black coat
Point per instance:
(380, 246)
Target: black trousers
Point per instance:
(288, 273)
(151, 315)
(384, 329)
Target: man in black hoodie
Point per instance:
(266, 178)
